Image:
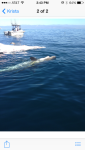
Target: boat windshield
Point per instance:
(16, 27)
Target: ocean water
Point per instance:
(49, 96)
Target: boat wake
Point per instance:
(8, 49)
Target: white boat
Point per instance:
(16, 30)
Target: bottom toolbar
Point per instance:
(42, 144)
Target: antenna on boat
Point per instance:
(11, 22)
(15, 22)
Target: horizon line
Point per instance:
(49, 25)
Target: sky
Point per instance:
(39, 21)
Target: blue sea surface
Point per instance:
(49, 96)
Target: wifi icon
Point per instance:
(22, 2)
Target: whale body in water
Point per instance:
(28, 63)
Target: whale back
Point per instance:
(33, 58)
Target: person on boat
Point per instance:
(15, 29)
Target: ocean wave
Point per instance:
(8, 49)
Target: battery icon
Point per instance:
(80, 2)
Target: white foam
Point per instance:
(7, 49)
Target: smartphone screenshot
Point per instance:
(42, 75)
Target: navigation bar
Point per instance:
(49, 8)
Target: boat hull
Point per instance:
(14, 33)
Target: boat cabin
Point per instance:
(16, 27)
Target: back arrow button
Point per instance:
(3, 11)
